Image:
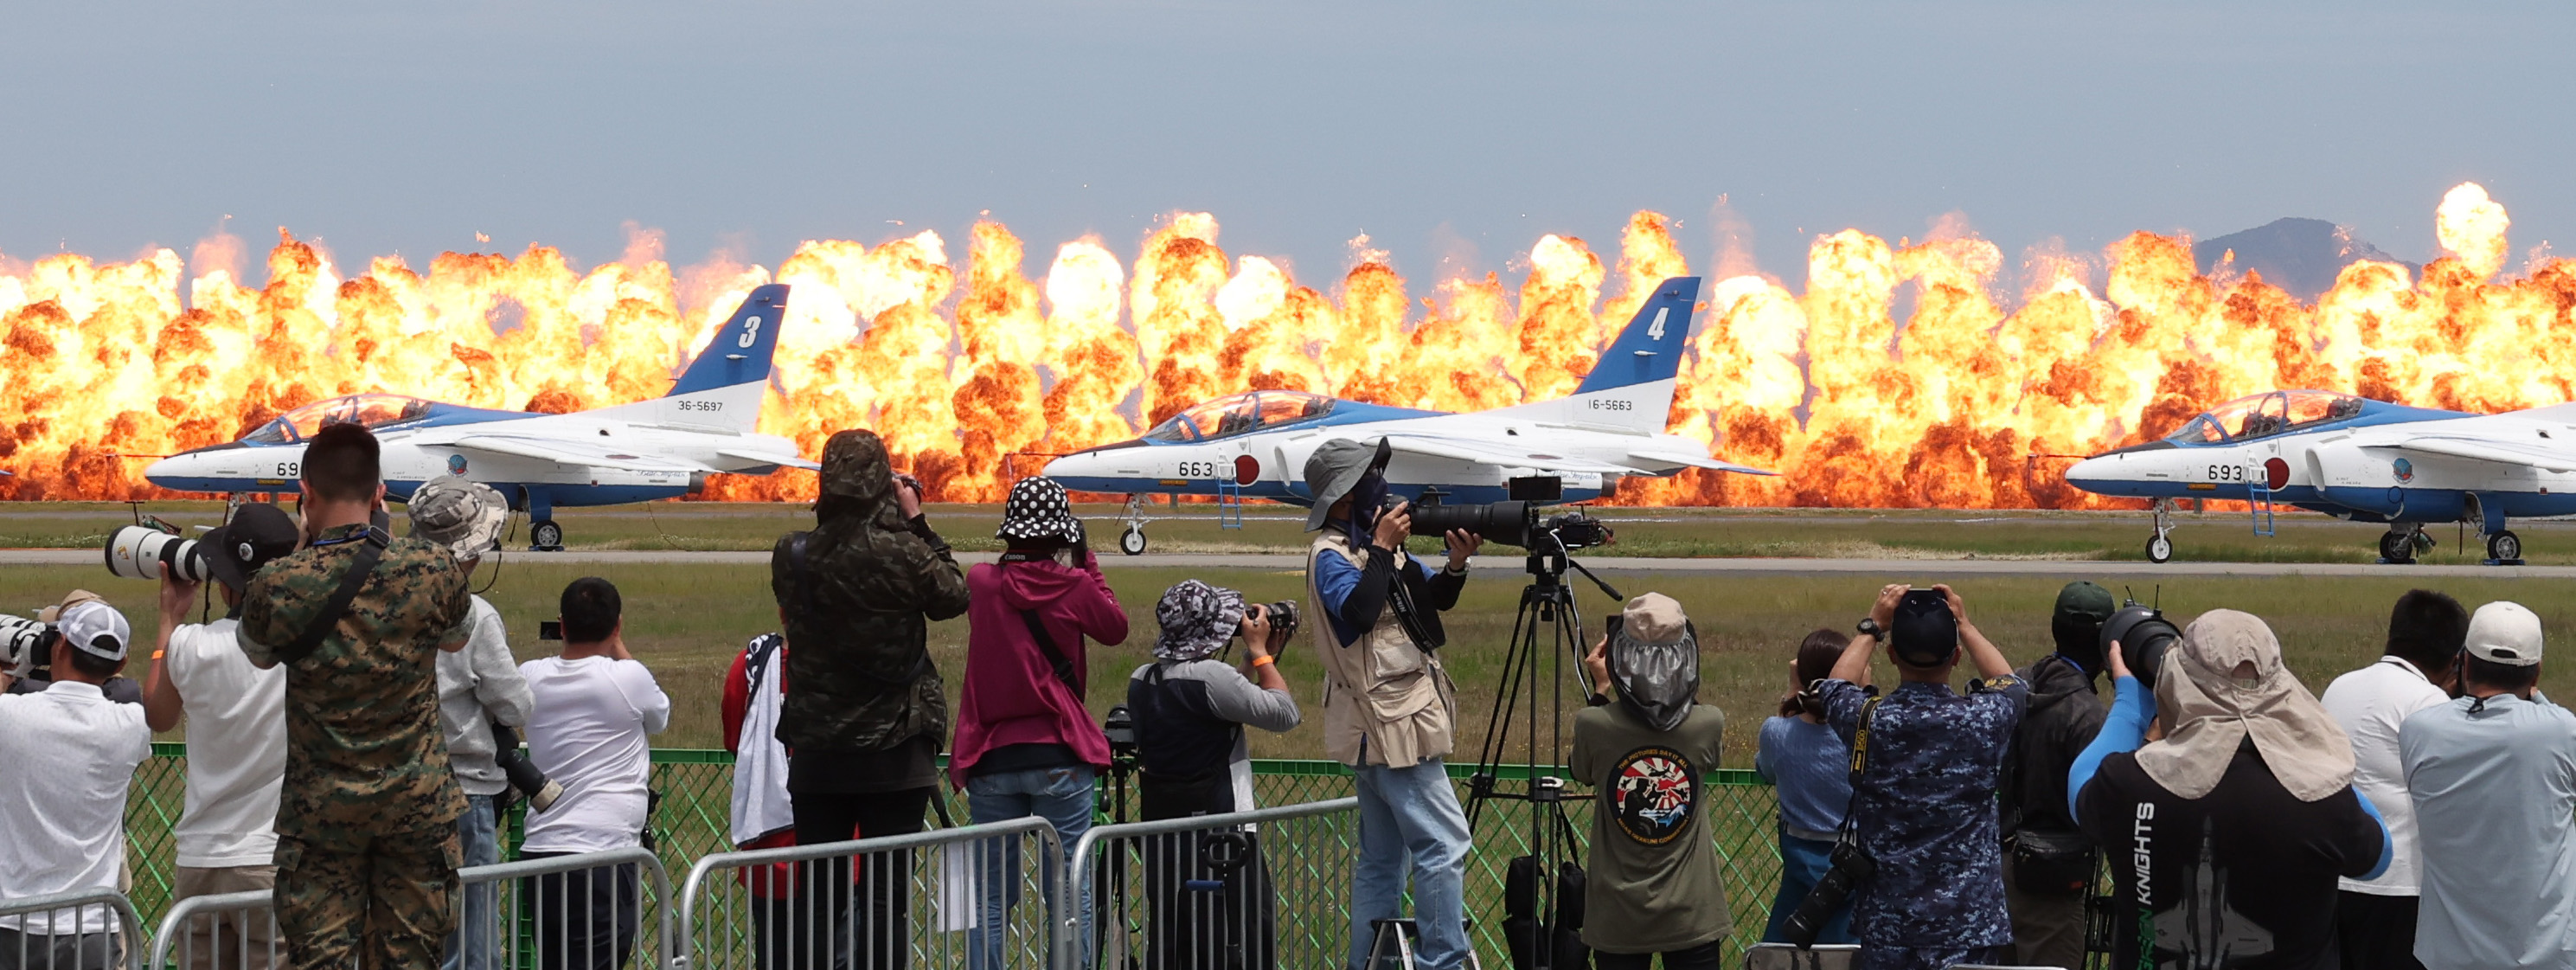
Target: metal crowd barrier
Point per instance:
(980, 897)
(64, 941)
(1268, 887)
(587, 911)
(225, 931)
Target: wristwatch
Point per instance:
(1869, 628)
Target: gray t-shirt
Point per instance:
(1652, 883)
(2495, 810)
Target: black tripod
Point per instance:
(1548, 626)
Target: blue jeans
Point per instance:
(1802, 862)
(470, 947)
(1062, 796)
(1411, 814)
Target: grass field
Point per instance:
(1857, 533)
(687, 621)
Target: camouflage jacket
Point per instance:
(364, 751)
(1925, 810)
(859, 676)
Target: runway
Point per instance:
(1895, 568)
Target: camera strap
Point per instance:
(362, 567)
(1055, 658)
(1859, 767)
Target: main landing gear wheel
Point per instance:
(1132, 541)
(2504, 548)
(545, 536)
(2159, 549)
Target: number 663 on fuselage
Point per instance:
(1255, 444)
(652, 449)
(2356, 459)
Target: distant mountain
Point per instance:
(2298, 255)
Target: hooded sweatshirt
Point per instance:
(1012, 695)
(860, 677)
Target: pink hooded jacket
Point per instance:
(1011, 694)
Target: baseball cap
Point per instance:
(2505, 633)
(465, 516)
(1923, 632)
(258, 533)
(95, 628)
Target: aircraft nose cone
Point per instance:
(1078, 464)
(2093, 474)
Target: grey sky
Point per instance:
(1459, 130)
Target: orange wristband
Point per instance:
(1264, 660)
(156, 655)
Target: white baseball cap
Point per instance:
(2505, 633)
(95, 628)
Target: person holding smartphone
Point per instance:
(1645, 745)
(1191, 708)
(1924, 805)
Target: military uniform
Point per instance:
(366, 838)
(1925, 812)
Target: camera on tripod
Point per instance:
(1513, 523)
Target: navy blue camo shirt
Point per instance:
(1926, 810)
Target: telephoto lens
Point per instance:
(21, 642)
(532, 783)
(2144, 635)
(146, 552)
(1509, 523)
(1283, 620)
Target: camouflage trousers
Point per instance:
(383, 900)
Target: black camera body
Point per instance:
(1283, 620)
(1120, 726)
(1513, 523)
(2144, 635)
(549, 629)
(1850, 867)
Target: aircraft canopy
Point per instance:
(2267, 414)
(368, 410)
(1242, 413)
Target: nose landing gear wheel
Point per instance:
(2397, 548)
(1132, 541)
(2504, 549)
(545, 536)
(2159, 549)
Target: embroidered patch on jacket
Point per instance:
(1652, 793)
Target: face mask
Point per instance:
(1658, 681)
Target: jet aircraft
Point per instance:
(1255, 444)
(628, 453)
(2355, 459)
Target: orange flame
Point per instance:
(98, 359)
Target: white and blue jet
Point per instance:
(1255, 444)
(653, 449)
(2355, 459)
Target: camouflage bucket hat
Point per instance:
(462, 515)
(1197, 620)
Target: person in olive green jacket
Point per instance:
(1652, 884)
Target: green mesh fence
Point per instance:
(695, 811)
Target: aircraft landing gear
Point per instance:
(2400, 546)
(2504, 548)
(545, 536)
(1132, 540)
(2159, 546)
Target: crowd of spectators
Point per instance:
(354, 723)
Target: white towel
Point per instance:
(760, 805)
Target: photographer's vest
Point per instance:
(1386, 701)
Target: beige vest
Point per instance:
(1386, 702)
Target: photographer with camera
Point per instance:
(1025, 743)
(1388, 704)
(480, 695)
(34, 641)
(366, 823)
(1809, 767)
(1652, 884)
(2227, 833)
(2493, 778)
(69, 754)
(226, 837)
(864, 714)
(594, 706)
(2375, 918)
(1190, 709)
(2048, 863)
(1925, 763)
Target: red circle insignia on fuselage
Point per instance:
(1247, 469)
(2276, 473)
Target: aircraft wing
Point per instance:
(763, 458)
(568, 453)
(1694, 461)
(1480, 454)
(2498, 450)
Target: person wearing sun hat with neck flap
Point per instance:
(1026, 744)
(2493, 777)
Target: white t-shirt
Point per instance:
(2371, 704)
(236, 748)
(66, 755)
(587, 734)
